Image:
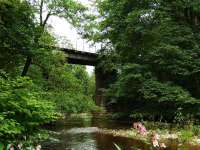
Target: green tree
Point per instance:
(71, 10)
(71, 88)
(23, 110)
(23, 100)
(16, 38)
(161, 37)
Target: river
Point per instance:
(81, 132)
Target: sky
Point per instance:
(61, 28)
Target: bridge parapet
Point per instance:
(80, 57)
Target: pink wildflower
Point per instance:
(140, 128)
(155, 136)
(12, 148)
(135, 125)
(20, 145)
(38, 147)
(155, 143)
(162, 145)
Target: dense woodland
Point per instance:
(153, 48)
(150, 47)
(36, 83)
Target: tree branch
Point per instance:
(41, 10)
(46, 19)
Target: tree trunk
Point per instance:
(42, 24)
(26, 66)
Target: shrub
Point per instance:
(22, 109)
(186, 135)
(196, 130)
(70, 102)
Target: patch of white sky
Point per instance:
(66, 32)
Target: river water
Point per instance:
(82, 133)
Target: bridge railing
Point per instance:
(81, 45)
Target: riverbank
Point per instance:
(167, 132)
(181, 137)
(98, 131)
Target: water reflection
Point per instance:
(89, 140)
(83, 130)
(82, 133)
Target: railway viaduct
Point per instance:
(90, 59)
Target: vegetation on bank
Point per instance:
(181, 137)
(36, 83)
(23, 110)
(152, 50)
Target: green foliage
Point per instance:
(71, 88)
(72, 102)
(52, 85)
(72, 11)
(196, 130)
(16, 38)
(22, 109)
(186, 136)
(147, 97)
(153, 45)
(1, 146)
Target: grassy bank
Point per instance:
(181, 137)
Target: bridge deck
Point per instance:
(80, 57)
